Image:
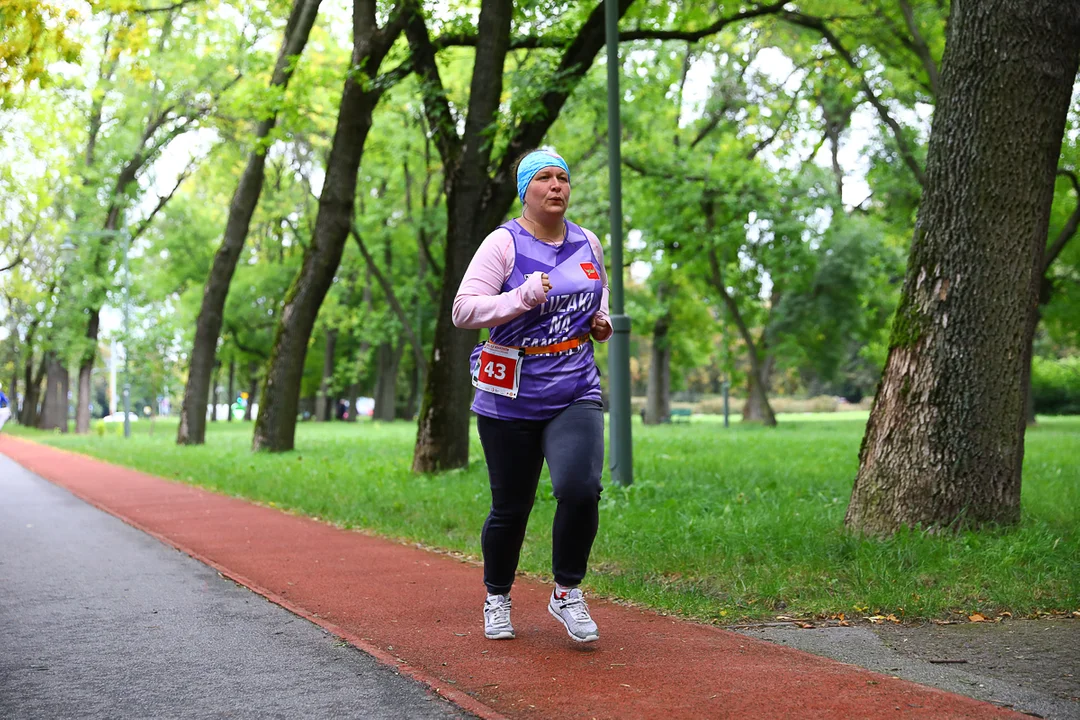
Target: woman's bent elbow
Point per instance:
(460, 315)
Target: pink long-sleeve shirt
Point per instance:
(480, 302)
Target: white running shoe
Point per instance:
(497, 618)
(573, 613)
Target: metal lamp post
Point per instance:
(622, 468)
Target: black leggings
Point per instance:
(572, 442)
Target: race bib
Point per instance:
(498, 370)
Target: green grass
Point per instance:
(733, 524)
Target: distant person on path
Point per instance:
(538, 282)
(5, 410)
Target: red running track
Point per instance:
(422, 613)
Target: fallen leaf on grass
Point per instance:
(976, 618)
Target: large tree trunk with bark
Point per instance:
(192, 430)
(275, 427)
(323, 402)
(54, 406)
(658, 395)
(944, 445)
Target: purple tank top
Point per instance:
(549, 383)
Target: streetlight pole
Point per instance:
(127, 335)
(622, 468)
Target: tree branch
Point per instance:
(391, 298)
(235, 332)
(22, 246)
(920, 48)
(440, 118)
(575, 62)
(1070, 227)
(165, 8)
(695, 35)
(162, 201)
(818, 24)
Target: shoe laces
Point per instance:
(575, 605)
(499, 612)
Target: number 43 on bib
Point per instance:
(498, 370)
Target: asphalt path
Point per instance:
(99, 620)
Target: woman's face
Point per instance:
(549, 191)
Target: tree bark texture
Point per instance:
(658, 395)
(28, 415)
(323, 407)
(275, 426)
(477, 202)
(757, 409)
(945, 442)
(86, 368)
(54, 406)
(192, 430)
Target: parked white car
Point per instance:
(119, 417)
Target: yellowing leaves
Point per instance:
(33, 35)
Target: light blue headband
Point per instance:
(533, 163)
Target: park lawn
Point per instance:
(726, 525)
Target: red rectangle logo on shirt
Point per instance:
(590, 271)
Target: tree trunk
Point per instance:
(757, 409)
(388, 359)
(275, 427)
(54, 408)
(324, 408)
(231, 398)
(658, 396)
(253, 386)
(944, 445)
(350, 397)
(28, 417)
(192, 430)
(14, 389)
(214, 392)
(86, 368)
